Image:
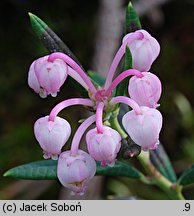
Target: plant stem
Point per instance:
(115, 124)
(156, 178)
(173, 190)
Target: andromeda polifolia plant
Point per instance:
(110, 143)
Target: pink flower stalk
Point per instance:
(99, 114)
(144, 128)
(52, 135)
(47, 77)
(66, 103)
(121, 77)
(79, 133)
(75, 67)
(121, 51)
(103, 147)
(77, 77)
(144, 50)
(128, 101)
(146, 90)
(75, 171)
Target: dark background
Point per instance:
(75, 22)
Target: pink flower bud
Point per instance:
(52, 135)
(146, 91)
(144, 128)
(144, 51)
(47, 77)
(104, 146)
(75, 171)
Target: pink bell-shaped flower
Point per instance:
(146, 91)
(47, 77)
(75, 171)
(144, 51)
(52, 135)
(104, 146)
(144, 128)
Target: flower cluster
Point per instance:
(143, 123)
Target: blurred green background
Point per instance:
(75, 22)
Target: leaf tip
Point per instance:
(6, 174)
(32, 16)
(130, 4)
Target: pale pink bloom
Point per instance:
(146, 91)
(75, 171)
(144, 51)
(103, 147)
(52, 135)
(144, 128)
(47, 77)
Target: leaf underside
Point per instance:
(160, 160)
(54, 44)
(187, 176)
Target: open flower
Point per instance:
(143, 128)
(52, 135)
(47, 77)
(104, 146)
(75, 171)
(144, 50)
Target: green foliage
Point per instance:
(54, 44)
(47, 169)
(160, 160)
(97, 78)
(132, 22)
(187, 176)
(119, 169)
(122, 87)
(49, 39)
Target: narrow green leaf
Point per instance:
(187, 176)
(128, 59)
(119, 169)
(132, 22)
(47, 169)
(160, 160)
(54, 44)
(122, 87)
(50, 40)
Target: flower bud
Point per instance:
(75, 171)
(52, 135)
(104, 146)
(146, 91)
(144, 128)
(47, 77)
(144, 51)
